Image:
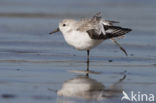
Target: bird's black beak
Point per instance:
(57, 30)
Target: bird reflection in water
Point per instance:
(85, 87)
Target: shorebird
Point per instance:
(87, 33)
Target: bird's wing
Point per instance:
(98, 28)
(110, 32)
(95, 23)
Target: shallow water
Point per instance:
(33, 64)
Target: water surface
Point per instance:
(34, 64)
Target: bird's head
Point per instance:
(65, 26)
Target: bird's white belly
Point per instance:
(81, 40)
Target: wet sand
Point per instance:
(33, 64)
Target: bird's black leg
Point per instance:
(87, 60)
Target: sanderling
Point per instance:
(87, 33)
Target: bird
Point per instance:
(86, 33)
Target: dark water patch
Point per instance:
(110, 60)
(24, 55)
(21, 51)
(123, 65)
(124, 59)
(34, 43)
(38, 61)
(39, 15)
(8, 96)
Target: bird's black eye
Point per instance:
(64, 24)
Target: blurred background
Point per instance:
(32, 61)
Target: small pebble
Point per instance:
(110, 60)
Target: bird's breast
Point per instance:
(80, 40)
